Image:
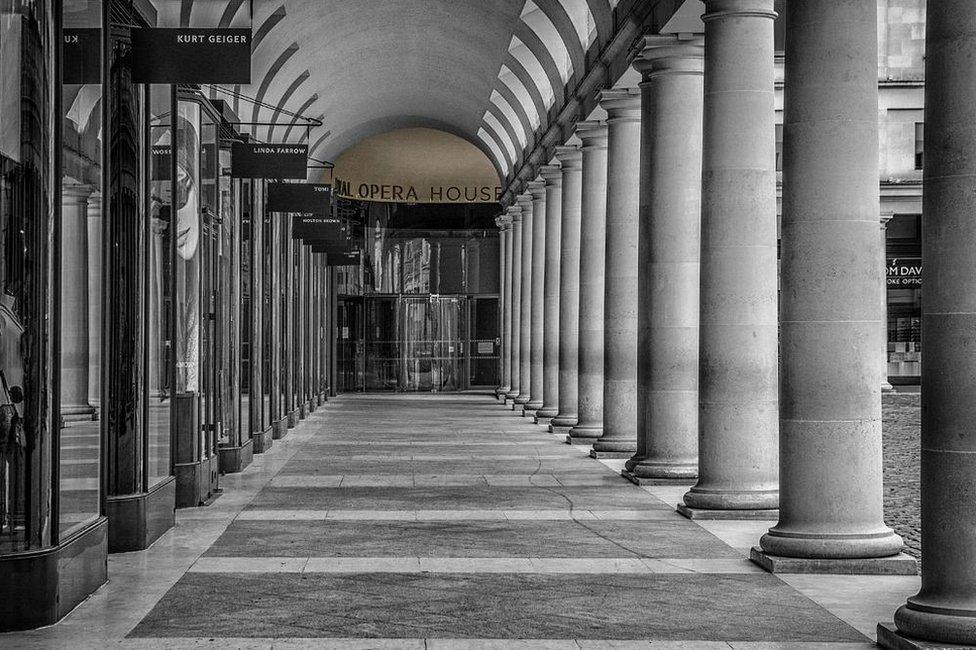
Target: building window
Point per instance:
(779, 147)
(919, 144)
(779, 27)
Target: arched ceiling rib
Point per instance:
(488, 71)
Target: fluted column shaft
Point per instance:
(738, 418)
(504, 222)
(670, 246)
(514, 351)
(830, 399)
(537, 189)
(74, 300)
(525, 314)
(553, 177)
(620, 303)
(569, 255)
(593, 241)
(944, 610)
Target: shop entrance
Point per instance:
(417, 343)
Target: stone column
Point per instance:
(671, 184)
(553, 177)
(620, 302)
(593, 241)
(944, 610)
(738, 417)
(95, 300)
(74, 301)
(525, 315)
(504, 223)
(569, 251)
(830, 404)
(515, 349)
(537, 189)
(885, 384)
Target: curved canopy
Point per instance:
(485, 70)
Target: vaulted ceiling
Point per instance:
(490, 71)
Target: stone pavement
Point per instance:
(902, 419)
(445, 521)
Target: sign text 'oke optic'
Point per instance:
(312, 198)
(252, 160)
(185, 55)
(348, 258)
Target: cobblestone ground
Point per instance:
(901, 462)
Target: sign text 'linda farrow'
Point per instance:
(251, 160)
(166, 55)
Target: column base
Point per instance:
(889, 637)
(602, 455)
(138, 520)
(196, 482)
(279, 429)
(511, 395)
(643, 480)
(895, 565)
(235, 459)
(40, 587)
(302, 411)
(261, 441)
(312, 405)
(669, 473)
(533, 405)
(78, 413)
(292, 418)
(590, 433)
(701, 513)
(887, 388)
(544, 420)
(574, 440)
(615, 448)
(522, 400)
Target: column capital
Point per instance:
(537, 189)
(666, 54)
(621, 104)
(551, 174)
(722, 9)
(504, 222)
(593, 133)
(515, 214)
(71, 188)
(525, 202)
(570, 156)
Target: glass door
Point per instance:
(431, 334)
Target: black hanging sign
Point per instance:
(318, 227)
(81, 58)
(190, 55)
(349, 258)
(313, 198)
(252, 160)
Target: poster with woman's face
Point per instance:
(187, 246)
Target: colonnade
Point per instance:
(703, 346)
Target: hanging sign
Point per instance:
(318, 227)
(313, 198)
(252, 160)
(81, 61)
(189, 55)
(351, 258)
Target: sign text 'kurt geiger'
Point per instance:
(184, 55)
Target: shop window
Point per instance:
(779, 147)
(919, 145)
(779, 27)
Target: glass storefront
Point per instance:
(904, 280)
(422, 312)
